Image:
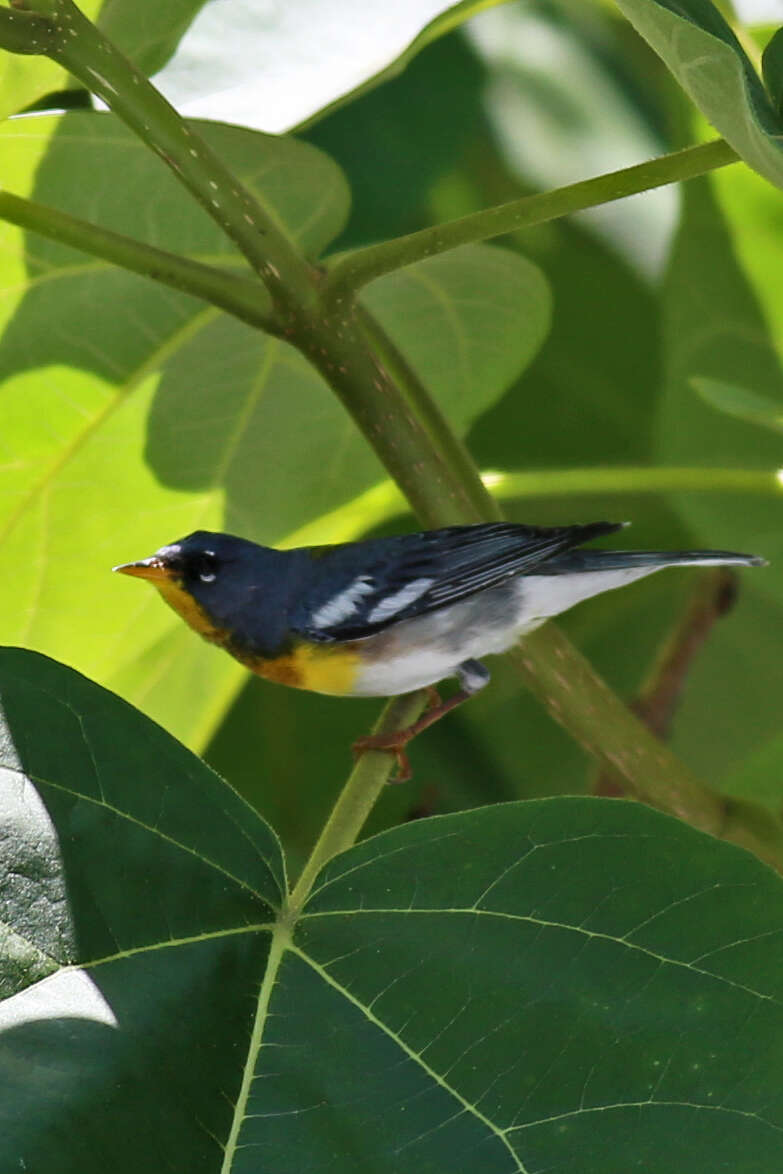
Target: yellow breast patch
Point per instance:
(322, 668)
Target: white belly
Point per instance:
(427, 649)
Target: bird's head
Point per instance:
(194, 575)
(193, 563)
(214, 581)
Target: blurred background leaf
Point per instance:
(316, 56)
(563, 105)
(715, 327)
(772, 71)
(738, 338)
(164, 416)
(739, 402)
(708, 60)
(84, 348)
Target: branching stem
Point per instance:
(319, 314)
(349, 271)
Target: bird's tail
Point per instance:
(577, 561)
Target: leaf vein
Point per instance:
(544, 924)
(467, 1106)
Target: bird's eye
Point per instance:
(207, 567)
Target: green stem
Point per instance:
(26, 32)
(350, 271)
(396, 416)
(244, 298)
(384, 501)
(82, 49)
(430, 417)
(630, 479)
(358, 796)
(565, 683)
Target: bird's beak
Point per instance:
(152, 568)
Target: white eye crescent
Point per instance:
(208, 577)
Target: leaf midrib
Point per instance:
(467, 1106)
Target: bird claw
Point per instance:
(396, 741)
(395, 744)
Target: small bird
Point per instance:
(392, 615)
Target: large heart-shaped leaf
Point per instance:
(84, 348)
(134, 415)
(314, 55)
(705, 56)
(571, 983)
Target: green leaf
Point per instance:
(759, 777)
(475, 316)
(715, 328)
(599, 382)
(772, 70)
(753, 215)
(23, 80)
(124, 853)
(752, 218)
(78, 496)
(565, 112)
(427, 119)
(572, 983)
(557, 947)
(146, 31)
(315, 60)
(163, 416)
(739, 402)
(704, 55)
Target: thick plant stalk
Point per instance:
(567, 686)
(321, 317)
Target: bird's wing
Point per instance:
(363, 588)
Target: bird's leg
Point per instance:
(472, 676)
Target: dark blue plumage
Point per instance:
(447, 565)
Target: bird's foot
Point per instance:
(395, 743)
(396, 740)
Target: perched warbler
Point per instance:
(391, 615)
